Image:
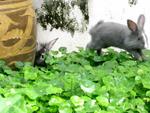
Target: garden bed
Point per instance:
(77, 82)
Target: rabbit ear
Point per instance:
(141, 21)
(51, 43)
(132, 26)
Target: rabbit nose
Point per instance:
(144, 46)
(143, 43)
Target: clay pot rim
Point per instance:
(14, 4)
(12, 0)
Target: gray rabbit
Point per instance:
(129, 38)
(43, 48)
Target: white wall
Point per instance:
(107, 10)
(37, 3)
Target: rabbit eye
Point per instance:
(139, 38)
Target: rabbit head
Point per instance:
(43, 48)
(135, 39)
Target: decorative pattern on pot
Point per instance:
(17, 31)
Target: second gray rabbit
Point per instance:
(43, 49)
(130, 38)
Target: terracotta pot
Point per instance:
(17, 31)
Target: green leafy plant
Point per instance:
(77, 82)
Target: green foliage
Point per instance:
(77, 82)
(56, 13)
